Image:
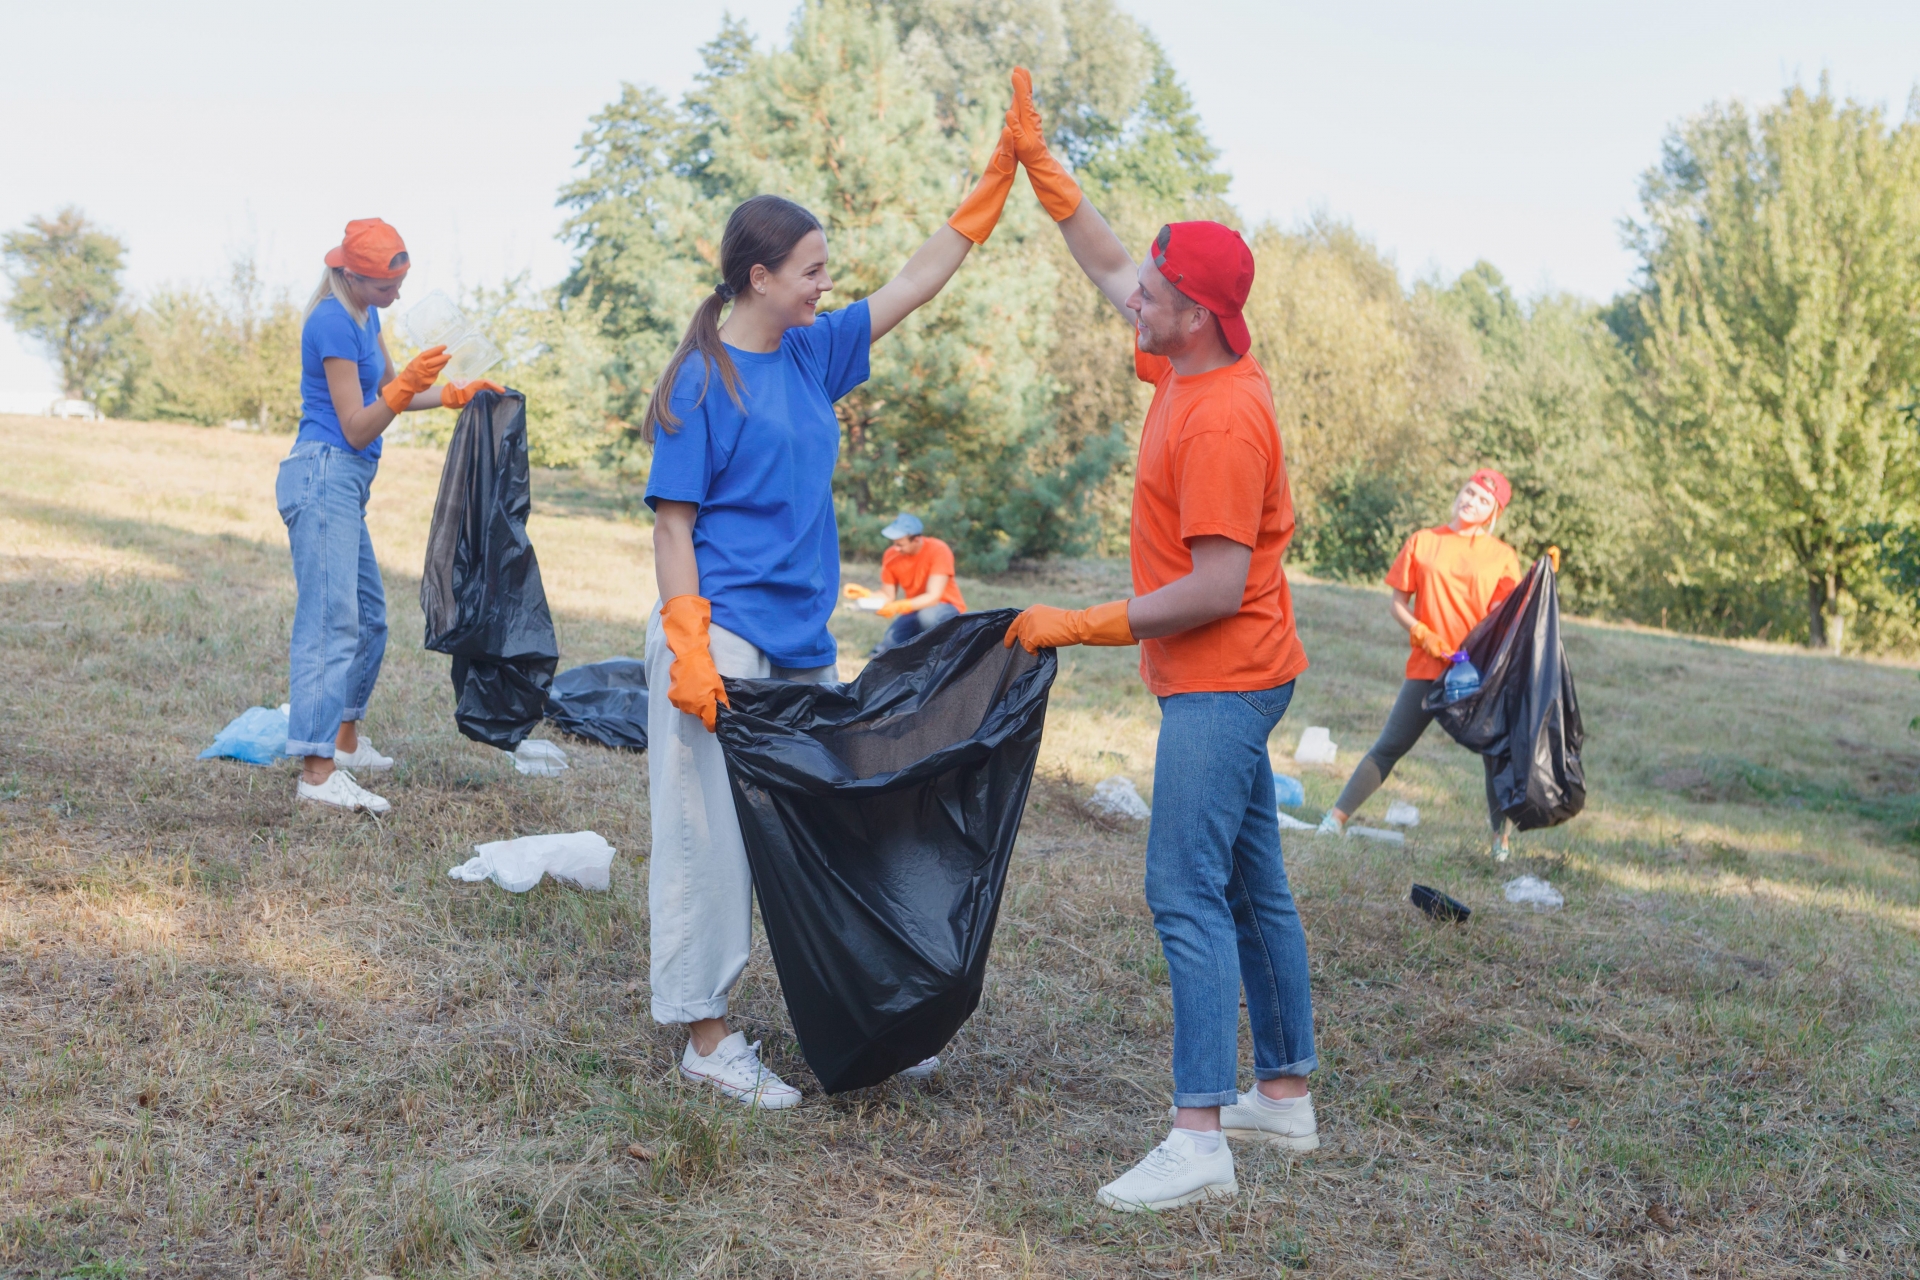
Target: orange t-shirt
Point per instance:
(910, 573)
(1210, 464)
(1456, 581)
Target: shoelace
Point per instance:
(751, 1054)
(1160, 1162)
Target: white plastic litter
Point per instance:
(869, 604)
(1377, 833)
(1290, 823)
(1402, 814)
(1316, 746)
(581, 858)
(1535, 892)
(539, 758)
(1117, 798)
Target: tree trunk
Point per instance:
(1826, 628)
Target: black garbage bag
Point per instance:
(1525, 717)
(603, 701)
(879, 818)
(481, 589)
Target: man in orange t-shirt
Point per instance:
(1444, 581)
(920, 571)
(1214, 621)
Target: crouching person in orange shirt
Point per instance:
(1214, 621)
(920, 571)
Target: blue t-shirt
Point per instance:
(331, 334)
(765, 538)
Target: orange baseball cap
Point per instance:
(372, 249)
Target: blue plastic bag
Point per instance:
(257, 735)
(1287, 792)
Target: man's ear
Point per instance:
(1201, 319)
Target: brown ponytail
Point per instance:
(761, 232)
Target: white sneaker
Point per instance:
(1290, 1127)
(921, 1070)
(1174, 1173)
(734, 1069)
(362, 757)
(1330, 826)
(342, 792)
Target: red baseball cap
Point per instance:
(1211, 264)
(372, 249)
(1494, 483)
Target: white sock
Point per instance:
(1205, 1141)
(1276, 1104)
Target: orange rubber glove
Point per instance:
(455, 397)
(1553, 556)
(1059, 193)
(415, 378)
(1044, 627)
(854, 591)
(1425, 637)
(979, 213)
(893, 609)
(694, 685)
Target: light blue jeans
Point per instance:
(340, 615)
(908, 625)
(1218, 888)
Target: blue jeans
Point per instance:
(908, 625)
(1218, 888)
(340, 615)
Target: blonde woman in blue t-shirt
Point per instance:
(349, 394)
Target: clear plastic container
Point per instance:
(436, 320)
(1463, 678)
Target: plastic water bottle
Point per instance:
(1463, 678)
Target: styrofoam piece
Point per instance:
(579, 858)
(1402, 814)
(1288, 791)
(1117, 797)
(1290, 823)
(1316, 746)
(869, 604)
(1377, 833)
(538, 758)
(1535, 892)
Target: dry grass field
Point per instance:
(239, 1039)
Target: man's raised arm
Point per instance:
(1089, 238)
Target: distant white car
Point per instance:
(83, 409)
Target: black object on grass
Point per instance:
(1439, 906)
(879, 817)
(603, 701)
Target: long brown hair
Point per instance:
(761, 232)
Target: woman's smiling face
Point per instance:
(793, 291)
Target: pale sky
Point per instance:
(1447, 133)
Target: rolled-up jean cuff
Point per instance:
(309, 748)
(668, 1015)
(1226, 1099)
(353, 715)
(1306, 1066)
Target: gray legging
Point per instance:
(1405, 723)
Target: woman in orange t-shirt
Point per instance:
(1445, 580)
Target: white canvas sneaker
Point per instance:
(342, 792)
(362, 757)
(1174, 1173)
(925, 1069)
(1290, 1127)
(734, 1069)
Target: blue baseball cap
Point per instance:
(905, 525)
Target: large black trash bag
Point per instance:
(1525, 717)
(481, 589)
(603, 701)
(879, 817)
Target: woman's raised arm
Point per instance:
(925, 274)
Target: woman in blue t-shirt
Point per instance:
(348, 396)
(747, 555)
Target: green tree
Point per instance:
(1773, 341)
(216, 356)
(66, 295)
(878, 118)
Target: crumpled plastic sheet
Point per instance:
(1535, 892)
(1316, 746)
(1402, 814)
(538, 758)
(1117, 798)
(257, 735)
(581, 858)
(1288, 791)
